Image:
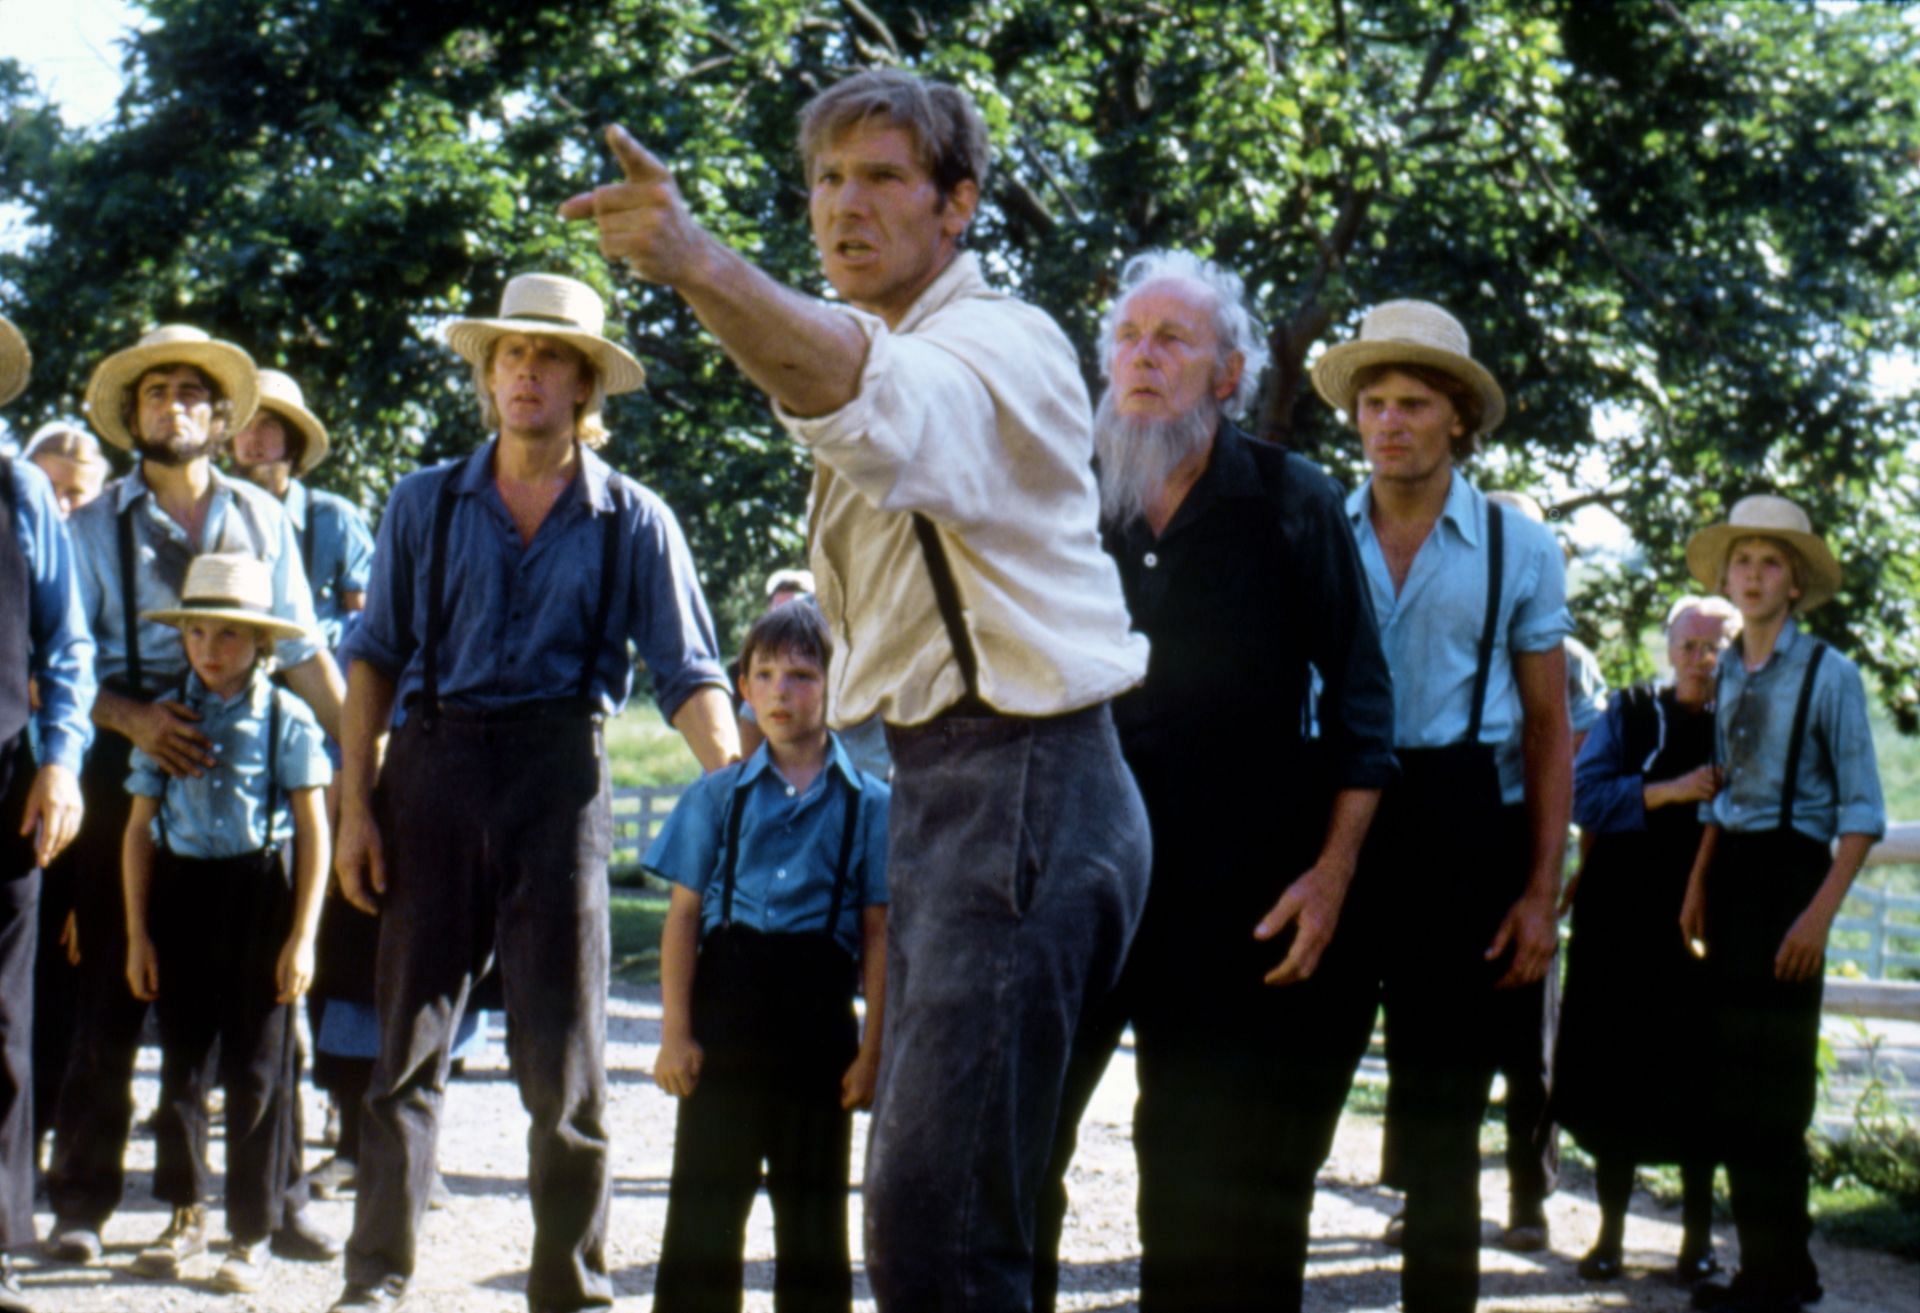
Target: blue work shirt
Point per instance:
(518, 617)
(61, 654)
(1837, 789)
(1431, 629)
(240, 518)
(1586, 699)
(222, 813)
(789, 846)
(336, 547)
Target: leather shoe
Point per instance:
(1744, 1295)
(74, 1241)
(388, 1294)
(302, 1242)
(1600, 1265)
(1694, 1266)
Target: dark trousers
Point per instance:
(1017, 866)
(774, 1017)
(1241, 1087)
(87, 1177)
(1443, 864)
(1765, 1034)
(1526, 1024)
(496, 839)
(19, 933)
(218, 927)
(56, 994)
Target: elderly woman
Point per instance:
(1629, 1079)
(70, 457)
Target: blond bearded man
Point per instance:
(954, 536)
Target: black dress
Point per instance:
(1630, 1069)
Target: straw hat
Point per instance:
(16, 362)
(170, 344)
(228, 586)
(1408, 333)
(282, 396)
(551, 306)
(1763, 516)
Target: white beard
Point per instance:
(1138, 455)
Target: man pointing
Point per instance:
(953, 536)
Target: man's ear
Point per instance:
(1227, 378)
(960, 205)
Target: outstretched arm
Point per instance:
(800, 351)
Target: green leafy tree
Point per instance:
(1692, 225)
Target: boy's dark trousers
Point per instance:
(1765, 1033)
(218, 928)
(497, 829)
(19, 933)
(773, 1015)
(1444, 862)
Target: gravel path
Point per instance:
(475, 1252)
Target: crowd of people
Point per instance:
(1179, 736)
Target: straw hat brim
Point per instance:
(16, 362)
(271, 625)
(1707, 556)
(316, 446)
(1334, 372)
(223, 362)
(619, 369)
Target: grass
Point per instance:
(636, 920)
(646, 751)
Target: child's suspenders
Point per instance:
(1801, 712)
(840, 868)
(273, 771)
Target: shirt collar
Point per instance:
(197, 694)
(295, 503)
(761, 762)
(1460, 510)
(133, 487)
(961, 278)
(1230, 474)
(1783, 647)
(478, 474)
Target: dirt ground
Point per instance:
(474, 1253)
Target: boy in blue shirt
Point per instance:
(1795, 750)
(779, 900)
(217, 936)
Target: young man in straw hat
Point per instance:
(1461, 872)
(277, 449)
(1792, 740)
(43, 638)
(172, 399)
(219, 931)
(505, 590)
(954, 535)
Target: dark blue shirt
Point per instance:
(518, 617)
(789, 846)
(336, 546)
(61, 648)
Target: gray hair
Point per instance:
(1233, 321)
(1718, 608)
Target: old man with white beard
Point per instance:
(1249, 1001)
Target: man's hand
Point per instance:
(1697, 785)
(643, 220)
(677, 1069)
(54, 804)
(143, 968)
(1311, 905)
(358, 859)
(293, 973)
(1531, 931)
(70, 937)
(1803, 953)
(1693, 916)
(164, 731)
(857, 1085)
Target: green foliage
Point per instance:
(643, 750)
(1698, 219)
(636, 921)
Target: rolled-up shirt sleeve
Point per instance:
(671, 629)
(1608, 794)
(1541, 621)
(1862, 809)
(62, 656)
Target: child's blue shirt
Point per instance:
(789, 846)
(1837, 789)
(222, 813)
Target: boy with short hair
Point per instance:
(778, 866)
(217, 938)
(1792, 740)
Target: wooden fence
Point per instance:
(638, 814)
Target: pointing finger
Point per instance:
(636, 161)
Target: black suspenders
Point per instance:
(437, 604)
(731, 860)
(946, 594)
(1483, 671)
(1802, 712)
(129, 615)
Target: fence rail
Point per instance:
(638, 814)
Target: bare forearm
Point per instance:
(705, 720)
(136, 865)
(1347, 832)
(312, 854)
(1850, 853)
(113, 712)
(679, 951)
(363, 722)
(316, 681)
(1549, 795)
(873, 974)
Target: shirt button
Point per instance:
(1150, 560)
(791, 790)
(780, 874)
